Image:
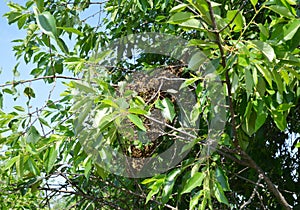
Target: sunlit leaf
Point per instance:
(47, 23)
(193, 182)
(137, 121)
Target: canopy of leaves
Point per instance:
(254, 46)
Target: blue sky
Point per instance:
(8, 61)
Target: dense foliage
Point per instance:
(254, 48)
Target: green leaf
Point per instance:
(292, 29)
(40, 5)
(219, 193)
(47, 24)
(10, 162)
(20, 166)
(180, 17)
(266, 73)
(281, 10)
(82, 86)
(284, 107)
(178, 8)
(297, 145)
(195, 199)
(28, 91)
(279, 119)
(33, 167)
(222, 179)
(278, 81)
(19, 108)
(32, 135)
(263, 30)
(71, 30)
(169, 184)
(137, 121)
(137, 111)
(169, 111)
(62, 45)
(51, 158)
(193, 182)
(159, 105)
(261, 116)
(254, 2)
(265, 48)
(110, 102)
(239, 20)
(191, 23)
(249, 82)
(87, 164)
(155, 187)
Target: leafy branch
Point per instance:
(250, 161)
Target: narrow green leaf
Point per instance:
(180, 17)
(222, 179)
(249, 82)
(62, 45)
(169, 111)
(137, 121)
(193, 182)
(191, 23)
(263, 30)
(137, 111)
(51, 158)
(169, 184)
(110, 102)
(219, 193)
(178, 8)
(195, 199)
(266, 73)
(278, 81)
(10, 163)
(292, 29)
(262, 115)
(40, 5)
(32, 166)
(155, 187)
(87, 164)
(281, 10)
(83, 87)
(71, 30)
(19, 108)
(20, 166)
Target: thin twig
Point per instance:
(14, 83)
(260, 177)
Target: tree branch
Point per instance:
(14, 83)
(250, 161)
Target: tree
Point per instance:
(247, 52)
